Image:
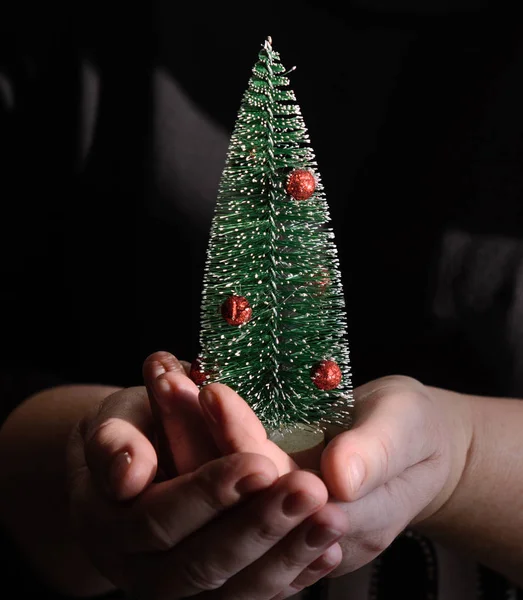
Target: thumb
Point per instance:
(393, 429)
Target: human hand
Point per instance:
(158, 539)
(407, 444)
(398, 464)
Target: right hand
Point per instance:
(223, 527)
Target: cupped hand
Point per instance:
(396, 467)
(398, 464)
(227, 524)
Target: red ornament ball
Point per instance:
(301, 184)
(236, 310)
(197, 374)
(326, 375)
(324, 278)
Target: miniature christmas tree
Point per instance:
(273, 313)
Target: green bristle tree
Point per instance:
(273, 312)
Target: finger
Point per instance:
(318, 569)
(168, 512)
(183, 435)
(236, 428)
(153, 367)
(114, 445)
(274, 573)
(186, 366)
(393, 429)
(204, 563)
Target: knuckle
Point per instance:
(104, 438)
(376, 543)
(397, 389)
(296, 586)
(106, 430)
(235, 464)
(244, 463)
(309, 482)
(293, 560)
(403, 381)
(154, 532)
(269, 533)
(230, 440)
(413, 403)
(213, 493)
(401, 401)
(385, 451)
(202, 577)
(216, 483)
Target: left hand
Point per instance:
(399, 463)
(407, 445)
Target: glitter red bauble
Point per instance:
(326, 375)
(324, 278)
(197, 374)
(301, 184)
(236, 310)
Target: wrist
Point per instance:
(457, 431)
(482, 517)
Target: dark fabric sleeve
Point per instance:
(18, 383)
(30, 342)
(22, 582)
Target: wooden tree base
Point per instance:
(302, 443)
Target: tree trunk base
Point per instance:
(303, 443)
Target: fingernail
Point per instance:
(162, 385)
(356, 472)
(299, 503)
(118, 469)
(162, 388)
(252, 483)
(172, 389)
(157, 369)
(164, 363)
(211, 405)
(320, 535)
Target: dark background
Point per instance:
(114, 122)
(413, 114)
